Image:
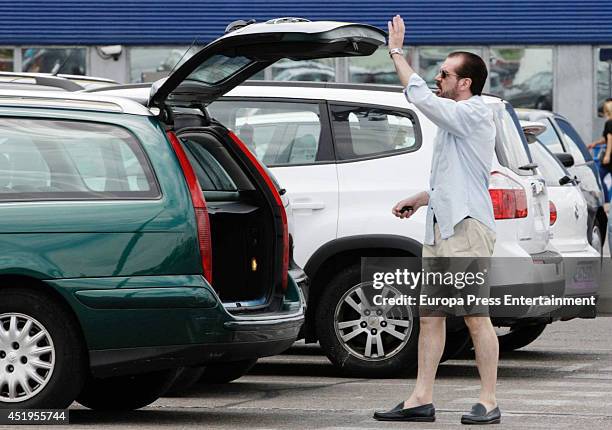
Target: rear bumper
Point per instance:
(247, 340)
(155, 323)
(542, 275)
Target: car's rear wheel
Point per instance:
(42, 362)
(126, 393)
(221, 373)
(363, 339)
(518, 337)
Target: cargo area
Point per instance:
(241, 223)
(242, 250)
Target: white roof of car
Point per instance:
(360, 93)
(72, 100)
(377, 94)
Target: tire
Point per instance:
(519, 337)
(359, 354)
(185, 379)
(222, 373)
(55, 353)
(126, 393)
(458, 344)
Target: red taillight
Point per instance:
(199, 205)
(255, 162)
(553, 212)
(508, 197)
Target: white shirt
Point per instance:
(462, 157)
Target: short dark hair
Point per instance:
(472, 67)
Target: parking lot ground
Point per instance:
(563, 381)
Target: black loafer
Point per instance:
(423, 413)
(479, 415)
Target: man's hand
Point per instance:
(396, 32)
(415, 202)
(606, 159)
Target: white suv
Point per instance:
(346, 154)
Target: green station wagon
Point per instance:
(140, 238)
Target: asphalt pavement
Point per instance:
(563, 381)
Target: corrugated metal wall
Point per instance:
(428, 22)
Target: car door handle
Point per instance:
(307, 204)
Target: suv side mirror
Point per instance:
(566, 159)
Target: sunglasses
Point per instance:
(444, 74)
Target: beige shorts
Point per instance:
(467, 251)
(471, 239)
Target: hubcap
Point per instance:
(370, 332)
(27, 357)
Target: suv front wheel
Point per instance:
(363, 339)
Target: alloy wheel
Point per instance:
(370, 332)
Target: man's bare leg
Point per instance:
(432, 337)
(487, 355)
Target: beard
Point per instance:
(450, 93)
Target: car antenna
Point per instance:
(183, 56)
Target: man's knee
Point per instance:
(432, 323)
(478, 324)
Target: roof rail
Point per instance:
(339, 85)
(120, 87)
(40, 79)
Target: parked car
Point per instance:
(346, 154)
(136, 243)
(560, 137)
(569, 223)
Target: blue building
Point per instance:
(541, 53)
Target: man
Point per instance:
(460, 220)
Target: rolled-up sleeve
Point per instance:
(454, 117)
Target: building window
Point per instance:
(432, 57)
(322, 70)
(70, 61)
(377, 68)
(148, 64)
(523, 76)
(6, 59)
(604, 74)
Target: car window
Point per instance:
(57, 159)
(550, 138)
(277, 133)
(211, 175)
(366, 131)
(572, 140)
(509, 140)
(550, 169)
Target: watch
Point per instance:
(396, 51)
